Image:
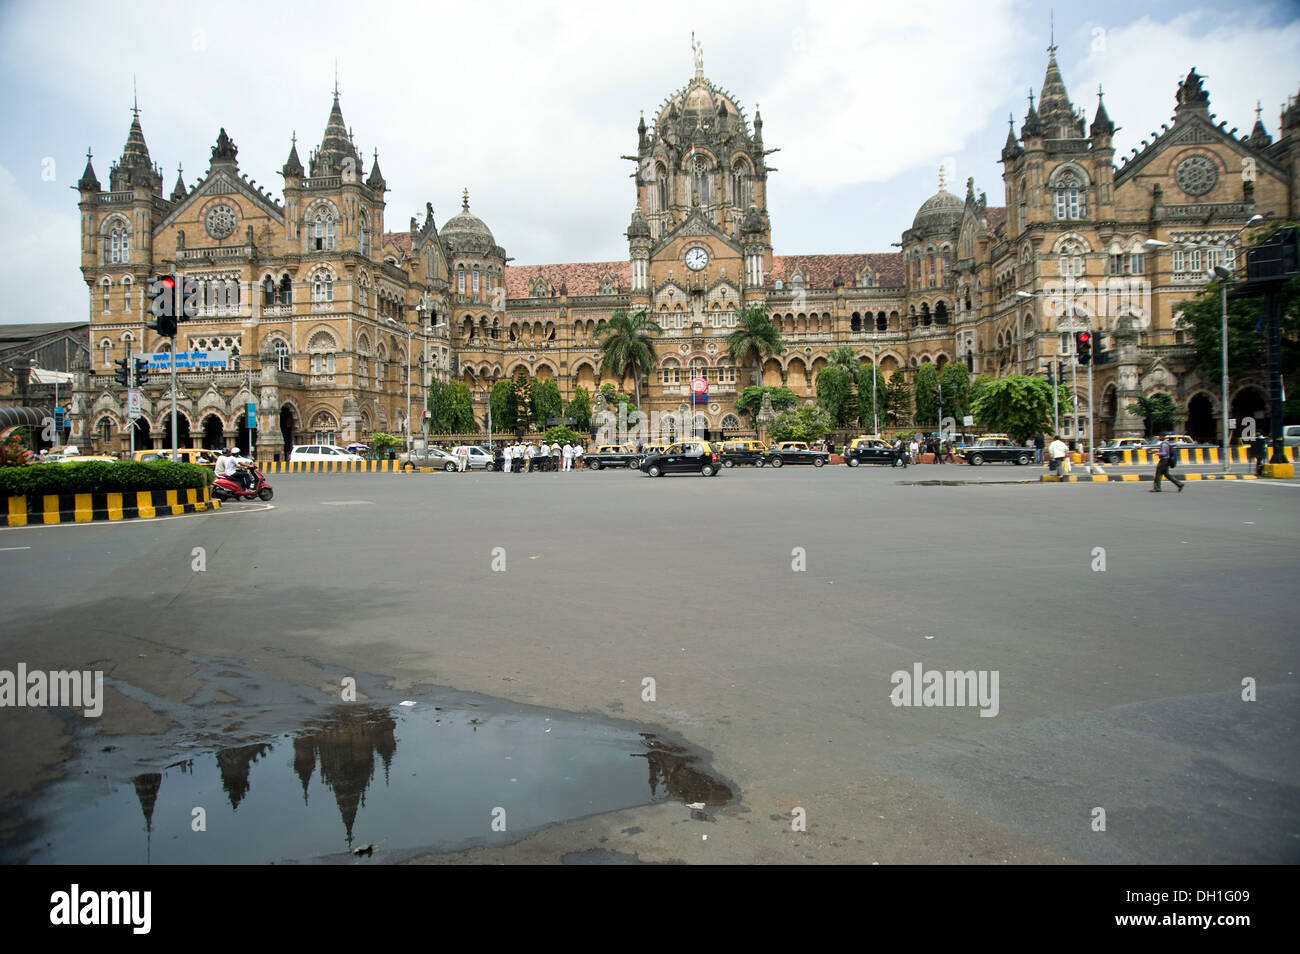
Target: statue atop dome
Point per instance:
(698, 50)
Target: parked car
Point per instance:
(613, 455)
(872, 450)
(1112, 451)
(320, 453)
(479, 458)
(684, 457)
(1291, 435)
(998, 450)
(733, 453)
(428, 457)
(796, 452)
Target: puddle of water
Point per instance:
(401, 779)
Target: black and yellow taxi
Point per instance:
(998, 448)
(187, 455)
(872, 450)
(742, 452)
(684, 457)
(796, 452)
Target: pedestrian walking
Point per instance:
(1038, 448)
(1164, 461)
(462, 458)
(1060, 455)
(507, 456)
(566, 455)
(1259, 450)
(577, 455)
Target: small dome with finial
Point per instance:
(940, 213)
(467, 232)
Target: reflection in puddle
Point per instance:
(402, 779)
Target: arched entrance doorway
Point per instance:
(244, 439)
(1250, 402)
(183, 438)
(1200, 419)
(143, 437)
(287, 427)
(214, 433)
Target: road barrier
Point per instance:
(85, 508)
(330, 467)
(1198, 455)
(1134, 478)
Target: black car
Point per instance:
(684, 457)
(612, 455)
(796, 452)
(734, 453)
(869, 450)
(998, 450)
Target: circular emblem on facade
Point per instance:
(220, 221)
(715, 408)
(1196, 175)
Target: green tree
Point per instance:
(835, 387)
(559, 434)
(873, 396)
(626, 346)
(750, 401)
(383, 443)
(614, 397)
(899, 399)
(451, 408)
(924, 383)
(1159, 412)
(955, 380)
(545, 400)
(807, 422)
(1019, 405)
(580, 409)
(754, 340)
(503, 406)
(520, 401)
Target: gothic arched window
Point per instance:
(1069, 201)
(661, 187)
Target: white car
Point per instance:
(479, 459)
(323, 453)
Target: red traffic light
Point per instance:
(1084, 337)
(168, 282)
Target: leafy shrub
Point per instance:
(560, 434)
(101, 477)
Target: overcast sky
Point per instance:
(530, 105)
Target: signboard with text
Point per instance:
(188, 360)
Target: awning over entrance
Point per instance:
(20, 416)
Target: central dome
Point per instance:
(468, 233)
(700, 97)
(938, 214)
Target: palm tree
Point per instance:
(625, 346)
(754, 340)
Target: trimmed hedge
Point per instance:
(101, 477)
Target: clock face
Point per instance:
(697, 258)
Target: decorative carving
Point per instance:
(1196, 175)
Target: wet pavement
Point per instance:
(389, 782)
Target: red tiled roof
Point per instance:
(580, 278)
(400, 241)
(822, 270)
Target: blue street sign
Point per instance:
(250, 415)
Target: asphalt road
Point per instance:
(1118, 689)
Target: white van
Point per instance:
(1291, 435)
(322, 453)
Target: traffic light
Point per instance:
(123, 372)
(141, 371)
(1050, 372)
(1083, 346)
(162, 305)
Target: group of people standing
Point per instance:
(526, 456)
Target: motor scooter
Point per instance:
(226, 489)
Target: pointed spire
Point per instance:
(758, 127)
(1259, 137)
(376, 180)
(1054, 108)
(1012, 147)
(88, 182)
(135, 167)
(179, 192)
(336, 144)
(293, 165)
(1101, 124)
(1032, 126)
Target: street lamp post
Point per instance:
(409, 336)
(1222, 275)
(875, 397)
